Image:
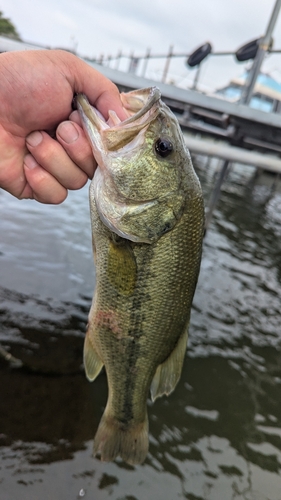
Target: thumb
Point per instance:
(100, 91)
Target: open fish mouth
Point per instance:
(114, 134)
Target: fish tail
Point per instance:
(114, 439)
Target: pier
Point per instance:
(213, 126)
(208, 119)
(235, 124)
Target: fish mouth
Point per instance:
(142, 106)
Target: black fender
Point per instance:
(248, 51)
(199, 55)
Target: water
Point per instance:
(218, 436)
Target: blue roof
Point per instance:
(266, 81)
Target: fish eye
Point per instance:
(163, 147)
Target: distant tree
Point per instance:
(7, 28)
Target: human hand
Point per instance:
(36, 91)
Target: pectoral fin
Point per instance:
(92, 362)
(168, 373)
(122, 268)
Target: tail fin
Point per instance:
(113, 439)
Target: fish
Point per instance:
(147, 217)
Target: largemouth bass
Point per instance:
(147, 220)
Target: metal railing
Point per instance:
(139, 63)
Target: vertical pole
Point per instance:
(145, 63)
(118, 58)
(167, 64)
(130, 60)
(216, 194)
(196, 78)
(263, 48)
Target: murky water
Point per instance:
(218, 436)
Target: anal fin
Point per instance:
(92, 362)
(168, 373)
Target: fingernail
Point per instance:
(30, 162)
(34, 139)
(67, 132)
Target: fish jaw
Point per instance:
(142, 109)
(113, 211)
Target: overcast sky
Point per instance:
(93, 27)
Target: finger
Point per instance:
(75, 117)
(100, 91)
(72, 137)
(42, 186)
(107, 102)
(50, 155)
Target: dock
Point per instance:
(215, 127)
(207, 117)
(213, 118)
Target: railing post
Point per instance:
(263, 48)
(145, 63)
(167, 64)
